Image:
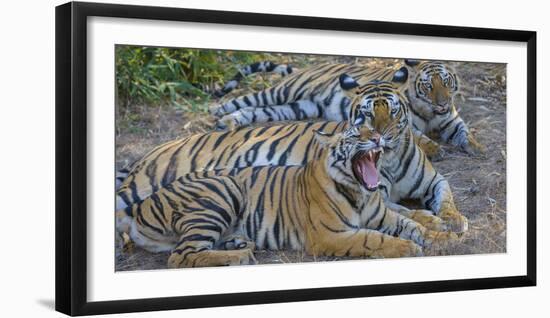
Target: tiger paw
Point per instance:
(228, 258)
(473, 147)
(125, 243)
(429, 221)
(433, 150)
(438, 238)
(220, 125)
(242, 117)
(237, 243)
(226, 123)
(456, 222)
(396, 247)
(212, 258)
(216, 111)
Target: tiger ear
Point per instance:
(457, 83)
(401, 75)
(412, 62)
(400, 79)
(453, 72)
(322, 137)
(349, 85)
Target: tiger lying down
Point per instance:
(405, 172)
(315, 92)
(330, 207)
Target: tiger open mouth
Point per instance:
(441, 110)
(364, 168)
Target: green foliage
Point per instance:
(182, 77)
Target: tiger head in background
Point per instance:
(435, 85)
(431, 92)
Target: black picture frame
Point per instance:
(71, 157)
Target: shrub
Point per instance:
(184, 78)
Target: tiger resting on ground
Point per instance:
(330, 206)
(315, 93)
(405, 172)
(432, 88)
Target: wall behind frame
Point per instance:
(27, 132)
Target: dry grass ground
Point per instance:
(478, 184)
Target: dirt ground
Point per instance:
(478, 183)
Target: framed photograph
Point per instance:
(208, 158)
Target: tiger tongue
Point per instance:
(369, 173)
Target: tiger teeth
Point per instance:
(370, 186)
(371, 153)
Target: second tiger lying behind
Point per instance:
(328, 207)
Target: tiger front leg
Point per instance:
(431, 148)
(264, 98)
(363, 243)
(473, 147)
(455, 132)
(427, 219)
(456, 221)
(396, 224)
(250, 100)
(439, 199)
(300, 110)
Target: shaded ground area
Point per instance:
(478, 184)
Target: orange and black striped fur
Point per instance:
(326, 207)
(431, 92)
(311, 93)
(405, 172)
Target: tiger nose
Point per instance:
(375, 138)
(442, 100)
